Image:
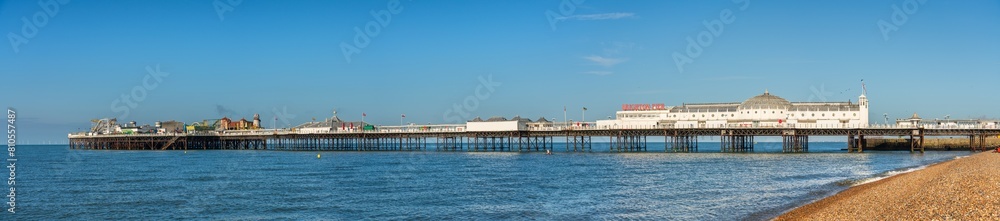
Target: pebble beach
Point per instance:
(967, 188)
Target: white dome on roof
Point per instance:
(765, 101)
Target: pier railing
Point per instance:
(623, 138)
(459, 128)
(789, 126)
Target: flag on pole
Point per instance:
(364, 114)
(404, 115)
(584, 108)
(864, 89)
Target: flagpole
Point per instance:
(565, 119)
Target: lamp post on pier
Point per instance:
(946, 119)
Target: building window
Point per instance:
(855, 114)
(814, 115)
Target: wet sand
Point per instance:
(962, 189)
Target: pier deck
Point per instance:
(576, 138)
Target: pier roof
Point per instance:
(519, 118)
(765, 101)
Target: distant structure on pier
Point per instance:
(765, 110)
(499, 123)
(226, 124)
(332, 124)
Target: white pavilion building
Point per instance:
(763, 110)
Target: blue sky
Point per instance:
(287, 56)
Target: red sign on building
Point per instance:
(642, 107)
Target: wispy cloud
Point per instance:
(605, 61)
(645, 92)
(732, 78)
(605, 16)
(599, 73)
(617, 47)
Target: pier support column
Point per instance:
(737, 143)
(533, 143)
(627, 141)
(856, 143)
(917, 141)
(791, 142)
(794, 143)
(683, 143)
(977, 142)
(581, 144)
(850, 143)
(732, 143)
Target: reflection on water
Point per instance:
(424, 185)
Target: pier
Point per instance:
(577, 139)
(736, 124)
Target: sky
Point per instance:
(64, 63)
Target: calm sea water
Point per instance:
(54, 182)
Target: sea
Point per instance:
(57, 183)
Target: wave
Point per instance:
(887, 174)
(880, 176)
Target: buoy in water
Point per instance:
(317, 156)
(548, 152)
